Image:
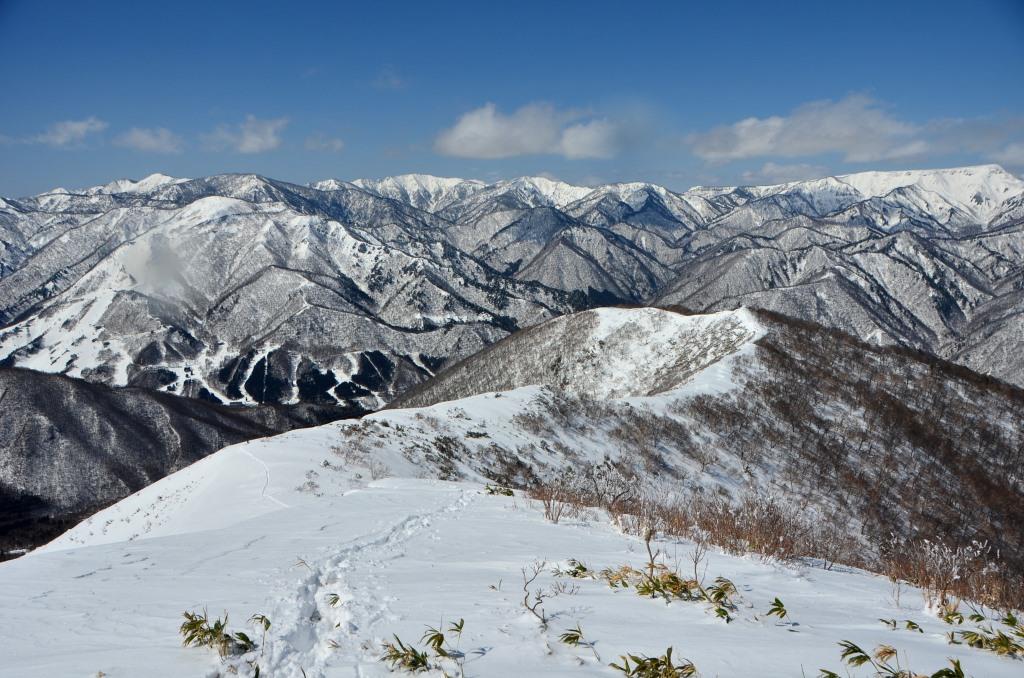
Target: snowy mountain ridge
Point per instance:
(982, 188)
(422, 191)
(979, 189)
(146, 184)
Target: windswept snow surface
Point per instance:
(662, 348)
(281, 525)
(250, 530)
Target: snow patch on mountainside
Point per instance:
(56, 347)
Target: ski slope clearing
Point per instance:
(401, 554)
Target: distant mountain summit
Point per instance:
(979, 190)
(144, 185)
(422, 191)
(240, 288)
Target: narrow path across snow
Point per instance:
(314, 632)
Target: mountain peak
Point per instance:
(330, 184)
(423, 191)
(144, 185)
(552, 191)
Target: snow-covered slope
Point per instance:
(980, 190)
(402, 555)
(603, 353)
(69, 447)
(342, 537)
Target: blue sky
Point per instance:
(679, 93)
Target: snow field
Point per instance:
(404, 554)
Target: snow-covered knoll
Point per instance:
(343, 535)
(600, 354)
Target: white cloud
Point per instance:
(486, 133)
(594, 139)
(1012, 154)
(856, 127)
(251, 136)
(155, 140)
(986, 135)
(534, 129)
(776, 173)
(319, 142)
(70, 132)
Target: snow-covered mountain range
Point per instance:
(244, 289)
(343, 535)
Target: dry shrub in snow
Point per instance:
(760, 524)
(948, 574)
(578, 488)
(560, 497)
